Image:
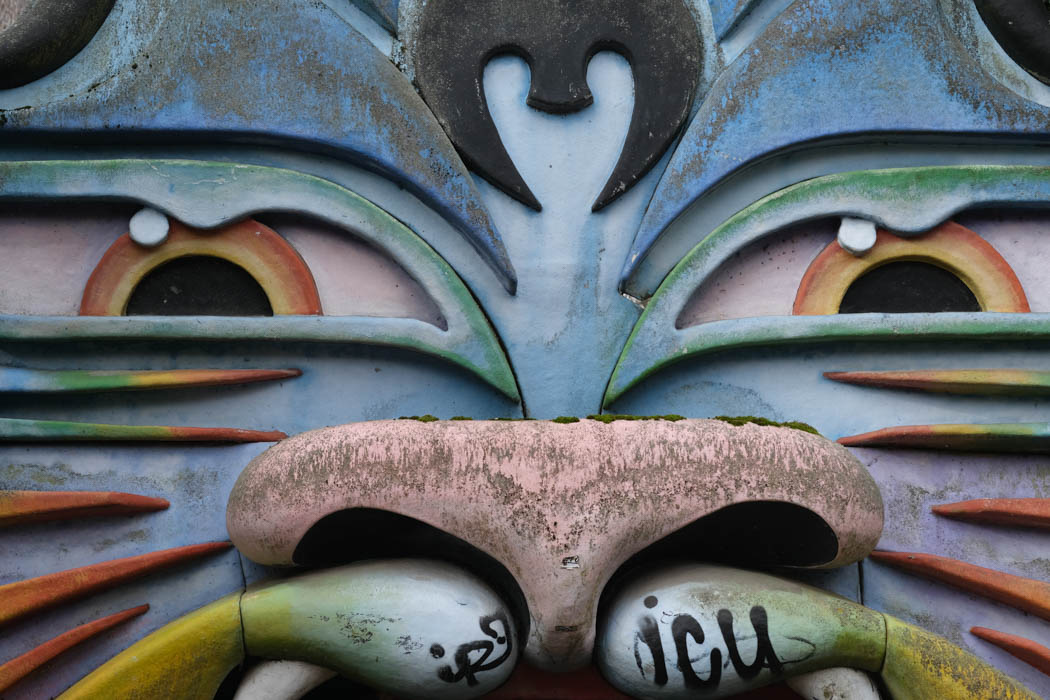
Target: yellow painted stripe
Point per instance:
(185, 660)
(922, 666)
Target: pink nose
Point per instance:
(561, 506)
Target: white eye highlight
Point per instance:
(857, 236)
(149, 227)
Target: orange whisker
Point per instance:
(21, 507)
(1021, 512)
(1025, 649)
(17, 669)
(1022, 593)
(26, 597)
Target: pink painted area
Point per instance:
(50, 251)
(760, 279)
(561, 506)
(353, 278)
(1020, 237)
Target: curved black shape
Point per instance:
(1022, 28)
(44, 34)
(198, 285)
(908, 287)
(456, 38)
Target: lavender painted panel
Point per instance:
(912, 482)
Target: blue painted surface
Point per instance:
(785, 382)
(340, 384)
(825, 72)
(383, 11)
(297, 75)
(726, 14)
(298, 88)
(908, 201)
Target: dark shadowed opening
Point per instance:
(198, 285)
(357, 534)
(908, 287)
(754, 534)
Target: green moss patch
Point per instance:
(793, 424)
(610, 417)
(566, 419)
(422, 419)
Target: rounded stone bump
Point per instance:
(857, 236)
(149, 227)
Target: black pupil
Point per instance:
(908, 287)
(198, 286)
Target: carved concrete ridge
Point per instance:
(536, 495)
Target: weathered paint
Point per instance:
(781, 331)
(991, 437)
(996, 382)
(1012, 512)
(951, 246)
(15, 670)
(37, 39)
(35, 381)
(1026, 650)
(455, 39)
(211, 194)
(922, 666)
(28, 430)
(21, 507)
(382, 11)
(907, 201)
(258, 249)
(693, 628)
(345, 90)
(413, 628)
(913, 78)
(186, 660)
(1022, 593)
(532, 494)
(752, 629)
(27, 597)
(727, 14)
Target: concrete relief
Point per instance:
(524, 349)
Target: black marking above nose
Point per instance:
(456, 38)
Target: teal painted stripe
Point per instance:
(643, 361)
(32, 381)
(406, 333)
(1031, 438)
(26, 430)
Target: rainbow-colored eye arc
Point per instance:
(950, 246)
(256, 248)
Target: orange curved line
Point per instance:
(950, 246)
(260, 250)
(26, 597)
(1022, 593)
(1020, 512)
(1024, 649)
(16, 669)
(21, 507)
